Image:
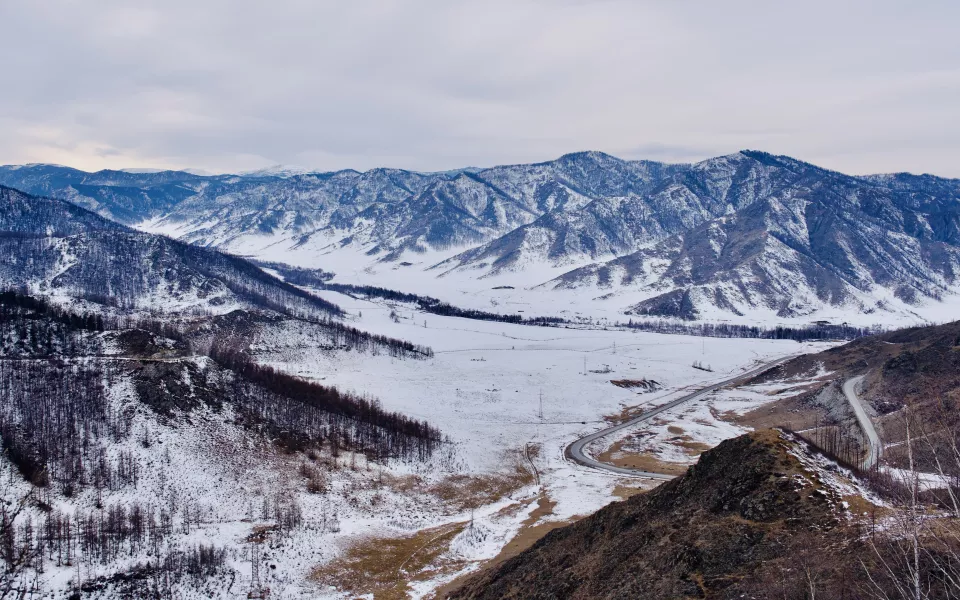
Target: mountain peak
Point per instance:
(588, 155)
(282, 171)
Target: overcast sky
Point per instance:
(229, 85)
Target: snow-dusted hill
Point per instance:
(748, 233)
(52, 248)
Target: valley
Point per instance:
(394, 384)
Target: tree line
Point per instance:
(814, 331)
(301, 413)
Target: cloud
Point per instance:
(228, 85)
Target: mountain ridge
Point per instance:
(870, 243)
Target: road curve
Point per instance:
(575, 451)
(873, 440)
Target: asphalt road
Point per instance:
(575, 451)
(873, 440)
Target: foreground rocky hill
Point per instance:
(759, 516)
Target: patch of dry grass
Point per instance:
(615, 455)
(384, 567)
(463, 492)
(690, 445)
(531, 530)
(623, 492)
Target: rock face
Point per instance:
(745, 506)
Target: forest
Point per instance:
(66, 432)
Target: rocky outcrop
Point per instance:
(745, 507)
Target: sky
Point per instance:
(234, 85)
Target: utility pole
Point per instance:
(541, 404)
(256, 587)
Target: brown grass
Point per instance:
(626, 491)
(793, 412)
(261, 533)
(462, 492)
(615, 455)
(691, 446)
(384, 567)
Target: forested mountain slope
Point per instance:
(125, 442)
(54, 248)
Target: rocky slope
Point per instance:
(697, 536)
(917, 367)
(759, 516)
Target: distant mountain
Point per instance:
(278, 171)
(123, 196)
(597, 205)
(730, 235)
(816, 238)
(22, 213)
(55, 249)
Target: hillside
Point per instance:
(141, 459)
(911, 377)
(56, 249)
(759, 516)
(24, 214)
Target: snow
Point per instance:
(278, 171)
(536, 293)
(482, 389)
(925, 481)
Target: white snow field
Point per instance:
(483, 389)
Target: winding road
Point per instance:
(873, 440)
(575, 451)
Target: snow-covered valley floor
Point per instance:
(509, 398)
(498, 389)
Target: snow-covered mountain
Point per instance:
(825, 239)
(52, 248)
(277, 171)
(736, 233)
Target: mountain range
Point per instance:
(748, 233)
